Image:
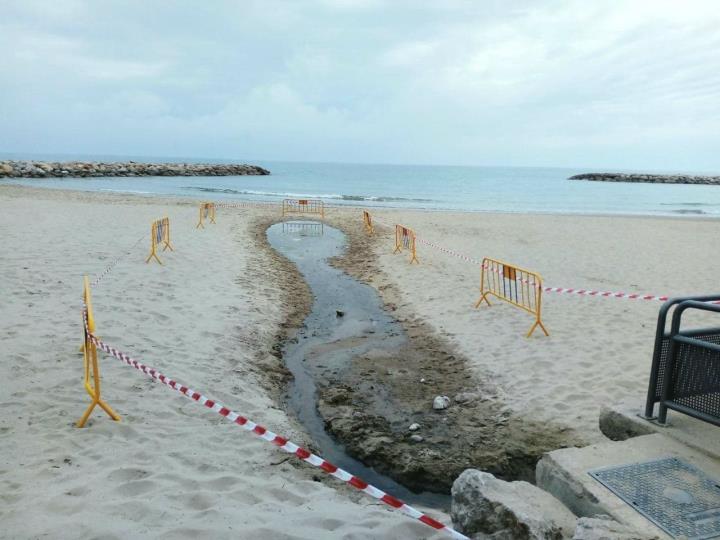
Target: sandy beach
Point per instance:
(212, 317)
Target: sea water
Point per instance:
(483, 189)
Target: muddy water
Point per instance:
(347, 321)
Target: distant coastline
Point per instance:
(648, 178)
(64, 169)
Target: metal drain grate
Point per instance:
(677, 497)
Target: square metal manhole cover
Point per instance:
(677, 497)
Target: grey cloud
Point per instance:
(595, 83)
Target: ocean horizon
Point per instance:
(429, 187)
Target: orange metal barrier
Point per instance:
(159, 234)
(517, 286)
(367, 220)
(207, 211)
(405, 238)
(92, 372)
(303, 206)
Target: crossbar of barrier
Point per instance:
(303, 207)
(405, 239)
(517, 286)
(560, 290)
(258, 430)
(207, 211)
(367, 220)
(159, 236)
(263, 205)
(304, 228)
(91, 380)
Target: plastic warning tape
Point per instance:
(115, 262)
(432, 244)
(588, 292)
(606, 294)
(277, 440)
(560, 290)
(448, 251)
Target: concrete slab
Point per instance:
(564, 473)
(622, 421)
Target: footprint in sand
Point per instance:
(126, 475)
(135, 488)
(223, 483)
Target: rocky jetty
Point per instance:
(62, 169)
(648, 178)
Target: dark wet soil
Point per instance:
(361, 379)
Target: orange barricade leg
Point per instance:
(153, 244)
(166, 239)
(200, 222)
(414, 258)
(483, 292)
(398, 244)
(537, 323)
(90, 365)
(367, 219)
(483, 298)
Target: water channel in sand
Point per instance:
(347, 320)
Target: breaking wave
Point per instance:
(332, 196)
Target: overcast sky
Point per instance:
(614, 84)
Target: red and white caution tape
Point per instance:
(606, 294)
(561, 290)
(449, 251)
(587, 292)
(277, 440)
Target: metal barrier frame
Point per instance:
(673, 373)
(207, 210)
(163, 225)
(316, 228)
(367, 220)
(90, 362)
(495, 274)
(303, 206)
(405, 237)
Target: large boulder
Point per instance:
(605, 528)
(485, 505)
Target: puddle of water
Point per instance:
(347, 320)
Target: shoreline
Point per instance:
(188, 199)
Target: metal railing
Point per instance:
(685, 373)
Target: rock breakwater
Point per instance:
(62, 169)
(648, 178)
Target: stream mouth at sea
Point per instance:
(360, 380)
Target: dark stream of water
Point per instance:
(328, 340)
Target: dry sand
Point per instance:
(211, 317)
